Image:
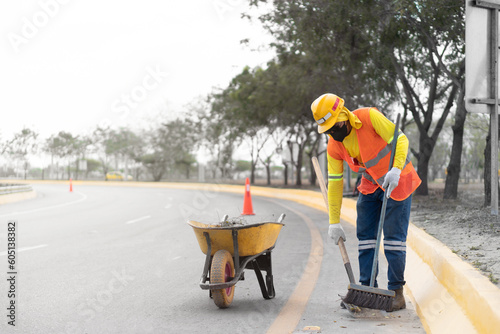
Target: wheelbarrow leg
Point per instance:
(208, 260)
(269, 276)
(267, 288)
(236, 257)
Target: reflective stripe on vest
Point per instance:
(381, 180)
(386, 150)
(375, 153)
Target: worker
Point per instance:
(363, 139)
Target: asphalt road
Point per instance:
(111, 259)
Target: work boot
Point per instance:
(399, 300)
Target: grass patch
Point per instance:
(477, 264)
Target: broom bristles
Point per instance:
(369, 299)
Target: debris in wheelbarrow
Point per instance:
(231, 249)
(228, 222)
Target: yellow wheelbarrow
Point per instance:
(231, 249)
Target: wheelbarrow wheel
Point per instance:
(222, 270)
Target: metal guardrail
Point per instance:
(8, 188)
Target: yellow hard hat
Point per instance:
(326, 109)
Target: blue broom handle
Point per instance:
(384, 206)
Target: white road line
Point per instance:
(138, 220)
(17, 213)
(170, 200)
(19, 250)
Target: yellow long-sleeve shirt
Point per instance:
(385, 129)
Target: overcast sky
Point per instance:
(72, 64)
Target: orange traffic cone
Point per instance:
(247, 201)
(70, 185)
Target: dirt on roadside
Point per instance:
(464, 225)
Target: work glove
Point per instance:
(391, 181)
(335, 231)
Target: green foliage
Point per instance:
(403, 55)
(172, 143)
(93, 165)
(103, 146)
(23, 144)
(155, 163)
(334, 43)
(243, 107)
(243, 165)
(62, 145)
(185, 163)
(259, 102)
(376, 53)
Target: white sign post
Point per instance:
(481, 73)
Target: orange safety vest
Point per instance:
(376, 154)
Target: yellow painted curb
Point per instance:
(437, 310)
(17, 197)
(450, 296)
(474, 293)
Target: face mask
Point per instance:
(340, 133)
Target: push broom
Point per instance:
(361, 295)
(369, 296)
(343, 251)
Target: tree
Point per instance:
(52, 146)
(125, 146)
(22, 145)
(332, 45)
(67, 148)
(313, 151)
(455, 164)
(171, 143)
(440, 156)
(300, 136)
(425, 41)
(181, 143)
(242, 166)
(103, 146)
(256, 141)
(155, 164)
(269, 152)
(81, 146)
(359, 48)
(241, 110)
(318, 54)
(92, 166)
(185, 162)
(219, 140)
